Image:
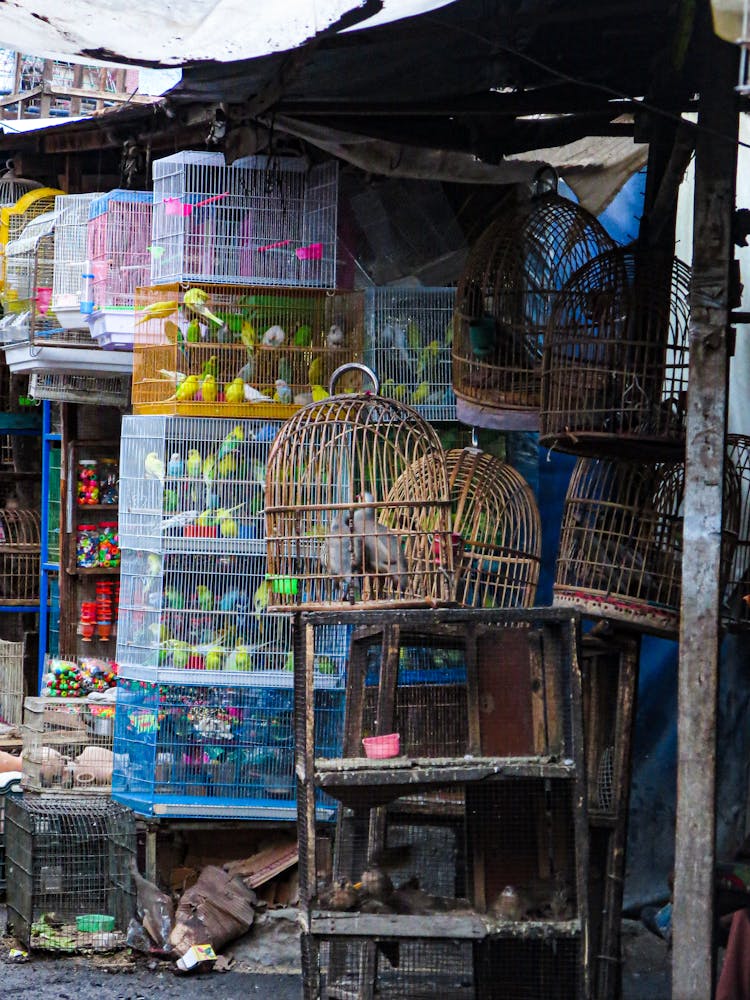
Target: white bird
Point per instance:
(253, 395)
(178, 377)
(335, 337)
(154, 466)
(274, 336)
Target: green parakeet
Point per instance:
(194, 464)
(204, 598)
(209, 368)
(193, 332)
(303, 336)
(232, 441)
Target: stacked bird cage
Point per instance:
(70, 258)
(20, 547)
(118, 243)
(67, 745)
(69, 872)
(504, 299)
(65, 387)
(14, 218)
(11, 682)
(620, 552)
(209, 349)
(409, 339)
(10, 784)
(262, 220)
(736, 605)
(616, 357)
(358, 508)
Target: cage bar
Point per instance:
(261, 220)
(62, 387)
(70, 257)
(11, 682)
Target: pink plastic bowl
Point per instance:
(378, 747)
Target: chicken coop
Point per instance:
(620, 553)
(68, 865)
(505, 296)
(70, 258)
(259, 221)
(118, 241)
(409, 340)
(461, 854)
(240, 351)
(616, 358)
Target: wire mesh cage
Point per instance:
(70, 257)
(339, 532)
(62, 387)
(67, 745)
(20, 548)
(11, 682)
(409, 338)
(13, 187)
(208, 749)
(620, 553)
(506, 294)
(211, 350)
(262, 220)
(15, 218)
(616, 357)
(10, 785)
(69, 872)
(736, 607)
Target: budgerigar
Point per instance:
(157, 310)
(248, 335)
(209, 367)
(187, 389)
(335, 337)
(303, 336)
(205, 599)
(153, 466)
(315, 372)
(196, 300)
(319, 393)
(253, 395)
(177, 377)
(194, 464)
(420, 394)
(234, 391)
(231, 442)
(175, 466)
(209, 389)
(274, 336)
(193, 332)
(283, 392)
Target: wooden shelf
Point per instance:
(95, 571)
(436, 925)
(81, 508)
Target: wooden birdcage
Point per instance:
(19, 555)
(357, 508)
(504, 299)
(616, 357)
(620, 554)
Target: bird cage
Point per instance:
(68, 865)
(11, 682)
(19, 555)
(12, 187)
(616, 357)
(736, 606)
(267, 351)
(499, 531)
(340, 531)
(70, 262)
(205, 749)
(64, 387)
(15, 218)
(118, 245)
(261, 221)
(409, 338)
(505, 296)
(620, 552)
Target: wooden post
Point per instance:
(715, 170)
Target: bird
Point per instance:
(194, 464)
(339, 894)
(393, 338)
(420, 394)
(337, 552)
(209, 367)
(187, 389)
(427, 357)
(315, 371)
(376, 884)
(319, 393)
(231, 441)
(234, 391)
(303, 398)
(209, 389)
(508, 905)
(193, 332)
(303, 335)
(253, 395)
(196, 300)
(174, 335)
(283, 392)
(382, 554)
(154, 467)
(335, 337)
(175, 466)
(204, 598)
(157, 310)
(177, 377)
(248, 335)
(274, 336)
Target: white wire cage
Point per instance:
(27, 287)
(409, 339)
(118, 242)
(65, 387)
(262, 220)
(13, 187)
(70, 257)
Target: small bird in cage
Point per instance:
(335, 337)
(337, 552)
(375, 884)
(196, 300)
(380, 545)
(509, 905)
(153, 466)
(339, 894)
(274, 336)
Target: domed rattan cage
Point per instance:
(20, 547)
(620, 553)
(338, 536)
(615, 367)
(736, 610)
(496, 518)
(503, 302)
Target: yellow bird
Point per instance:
(209, 389)
(421, 393)
(157, 310)
(319, 393)
(188, 389)
(234, 391)
(315, 372)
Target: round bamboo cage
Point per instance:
(503, 303)
(615, 367)
(620, 554)
(736, 609)
(20, 547)
(337, 537)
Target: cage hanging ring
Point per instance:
(351, 366)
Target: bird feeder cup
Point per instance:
(358, 506)
(615, 372)
(503, 303)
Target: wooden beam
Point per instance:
(715, 173)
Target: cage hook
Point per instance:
(352, 366)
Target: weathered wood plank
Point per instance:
(436, 925)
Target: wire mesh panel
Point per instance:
(213, 750)
(70, 257)
(11, 682)
(11, 786)
(69, 872)
(357, 507)
(62, 387)
(620, 552)
(212, 350)
(117, 241)
(506, 294)
(616, 357)
(15, 218)
(20, 547)
(262, 220)
(548, 967)
(409, 339)
(67, 745)
(736, 605)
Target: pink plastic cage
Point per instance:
(119, 246)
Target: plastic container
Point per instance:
(108, 547)
(93, 922)
(108, 481)
(87, 546)
(87, 482)
(380, 747)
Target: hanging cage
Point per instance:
(620, 553)
(20, 548)
(615, 368)
(13, 187)
(70, 262)
(357, 507)
(503, 302)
